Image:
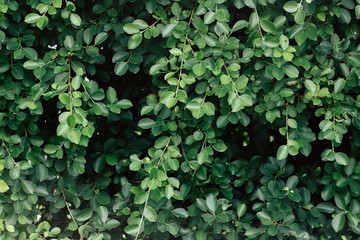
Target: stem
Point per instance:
(287, 127)
(68, 208)
(148, 192)
(70, 86)
(233, 84)
(258, 22)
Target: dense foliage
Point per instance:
(183, 119)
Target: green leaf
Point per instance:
(135, 40)
(168, 30)
(125, 104)
(3, 186)
(357, 11)
(84, 214)
(41, 172)
(241, 209)
(150, 214)
(239, 25)
(27, 186)
(341, 158)
(132, 229)
(310, 85)
(211, 202)
(282, 152)
(264, 217)
(339, 85)
(121, 68)
(268, 26)
(14, 172)
(30, 53)
(180, 212)
(111, 95)
(202, 157)
(209, 18)
(74, 135)
(10, 228)
(338, 222)
(246, 100)
(292, 182)
(32, 18)
(301, 37)
(111, 159)
(284, 42)
(209, 108)
(103, 213)
(131, 29)
(291, 71)
(146, 123)
(161, 142)
(199, 69)
(120, 56)
(5, 66)
(222, 121)
(100, 38)
(75, 19)
(51, 148)
(250, 3)
(69, 42)
(291, 6)
(219, 146)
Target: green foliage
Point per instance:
(194, 119)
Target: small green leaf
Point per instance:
(111, 159)
(28, 186)
(32, 18)
(209, 108)
(341, 158)
(131, 29)
(199, 69)
(135, 40)
(75, 19)
(211, 202)
(310, 85)
(41, 172)
(282, 152)
(168, 30)
(284, 42)
(111, 95)
(100, 38)
(202, 157)
(291, 71)
(146, 123)
(339, 85)
(3, 186)
(338, 222)
(291, 6)
(239, 25)
(74, 135)
(103, 213)
(84, 215)
(268, 26)
(150, 214)
(219, 146)
(241, 209)
(180, 212)
(121, 68)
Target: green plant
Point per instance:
(159, 119)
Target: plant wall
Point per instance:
(191, 119)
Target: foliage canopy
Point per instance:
(159, 119)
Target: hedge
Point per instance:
(183, 119)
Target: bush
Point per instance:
(159, 119)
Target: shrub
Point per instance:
(159, 119)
